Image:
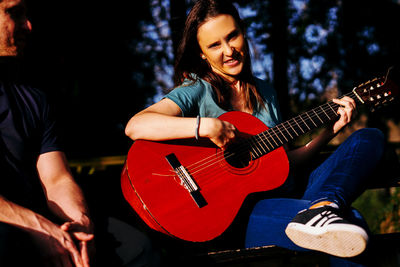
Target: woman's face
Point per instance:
(222, 44)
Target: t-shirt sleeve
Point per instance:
(188, 97)
(50, 140)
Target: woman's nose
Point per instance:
(228, 49)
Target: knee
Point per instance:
(371, 134)
(373, 138)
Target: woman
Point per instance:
(213, 76)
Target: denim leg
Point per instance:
(344, 175)
(341, 178)
(268, 221)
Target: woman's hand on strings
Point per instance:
(346, 111)
(221, 133)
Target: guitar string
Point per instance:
(318, 111)
(267, 138)
(329, 114)
(293, 126)
(221, 155)
(203, 173)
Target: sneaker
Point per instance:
(322, 229)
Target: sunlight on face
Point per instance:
(222, 44)
(14, 27)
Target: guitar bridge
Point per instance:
(186, 180)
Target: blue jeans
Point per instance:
(340, 179)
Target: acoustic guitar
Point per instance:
(192, 190)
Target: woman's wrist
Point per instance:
(206, 126)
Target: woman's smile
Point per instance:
(222, 44)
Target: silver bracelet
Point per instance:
(196, 133)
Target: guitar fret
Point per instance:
(280, 141)
(282, 134)
(266, 137)
(293, 129)
(253, 153)
(272, 137)
(305, 121)
(311, 120)
(299, 125)
(318, 116)
(329, 105)
(325, 112)
(262, 140)
(291, 137)
(259, 145)
(254, 146)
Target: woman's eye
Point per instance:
(213, 45)
(233, 35)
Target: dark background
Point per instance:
(82, 54)
(79, 54)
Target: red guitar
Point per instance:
(192, 190)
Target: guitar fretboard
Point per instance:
(287, 131)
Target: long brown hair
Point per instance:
(188, 60)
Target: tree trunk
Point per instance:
(279, 18)
(177, 21)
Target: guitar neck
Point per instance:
(287, 131)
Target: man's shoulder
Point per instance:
(29, 92)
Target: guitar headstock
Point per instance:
(379, 91)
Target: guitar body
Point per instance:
(154, 190)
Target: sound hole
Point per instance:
(238, 156)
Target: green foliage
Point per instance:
(380, 208)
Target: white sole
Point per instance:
(337, 240)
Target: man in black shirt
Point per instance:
(41, 206)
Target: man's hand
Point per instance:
(57, 246)
(82, 233)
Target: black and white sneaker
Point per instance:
(322, 229)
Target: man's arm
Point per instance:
(54, 243)
(65, 198)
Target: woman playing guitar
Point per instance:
(213, 76)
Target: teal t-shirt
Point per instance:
(198, 98)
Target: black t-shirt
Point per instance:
(27, 130)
